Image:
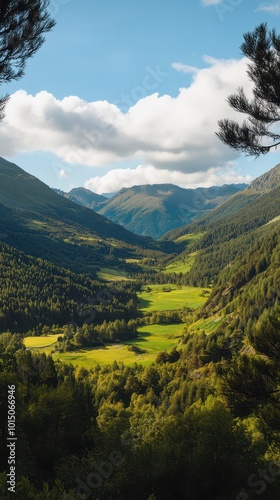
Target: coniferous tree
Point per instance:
(257, 134)
(22, 25)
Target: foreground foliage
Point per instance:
(257, 135)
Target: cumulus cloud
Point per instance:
(116, 179)
(171, 133)
(273, 8)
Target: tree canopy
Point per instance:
(22, 25)
(258, 133)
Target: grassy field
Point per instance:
(177, 298)
(40, 342)
(155, 338)
(107, 274)
(45, 343)
(180, 266)
(189, 237)
(151, 339)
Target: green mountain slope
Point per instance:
(251, 283)
(152, 210)
(228, 208)
(259, 187)
(35, 293)
(40, 222)
(233, 237)
(231, 230)
(267, 181)
(243, 304)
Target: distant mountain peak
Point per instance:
(83, 196)
(39, 221)
(267, 181)
(154, 209)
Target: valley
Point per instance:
(151, 338)
(167, 346)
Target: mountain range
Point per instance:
(153, 210)
(42, 223)
(262, 191)
(38, 221)
(229, 231)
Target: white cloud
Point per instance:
(273, 8)
(116, 179)
(185, 68)
(172, 133)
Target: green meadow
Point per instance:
(107, 274)
(188, 238)
(44, 342)
(156, 338)
(180, 266)
(177, 298)
(151, 339)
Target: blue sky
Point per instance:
(130, 92)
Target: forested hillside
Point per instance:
(230, 230)
(263, 184)
(201, 422)
(38, 221)
(36, 294)
(212, 413)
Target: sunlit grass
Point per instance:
(42, 341)
(180, 266)
(189, 237)
(151, 339)
(178, 298)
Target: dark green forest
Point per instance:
(36, 294)
(228, 238)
